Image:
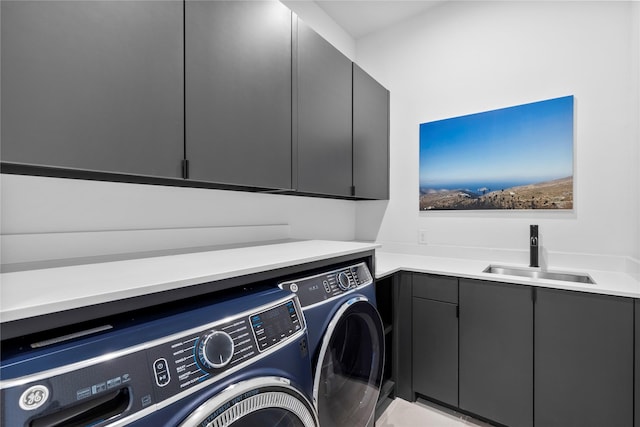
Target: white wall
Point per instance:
(465, 57)
(53, 205)
(458, 58)
(37, 205)
(324, 25)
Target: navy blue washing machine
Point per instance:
(239, 361)
(346, 341)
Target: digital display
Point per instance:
(274, 325)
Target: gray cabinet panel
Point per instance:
(324, 126)
(583, 359)
(435, 350)
(370, 136)
(93, 85)
(437, 288)
(637, 355)
(496, 351)
(402, 336)
(238, 92)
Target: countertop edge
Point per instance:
(388, 263)
(13, 309)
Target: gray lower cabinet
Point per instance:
(238, 92)
(324, 122)
(93, 85)
(523, 356)
(370, 137)
(435, 350)
(583, 359)
(402, 336)
(496, 351)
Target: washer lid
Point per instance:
(269, 401)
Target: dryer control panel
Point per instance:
(321, 287)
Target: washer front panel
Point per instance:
(153, 374)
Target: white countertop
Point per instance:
(30, 293)
(42, 291)
(607, 282)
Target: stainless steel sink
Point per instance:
(536, 273)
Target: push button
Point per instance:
(163, 378)
(161, 372)
(327, 287)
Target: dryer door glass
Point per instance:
(349, 370)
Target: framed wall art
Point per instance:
(518, 157)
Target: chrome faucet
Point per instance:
(533, 246)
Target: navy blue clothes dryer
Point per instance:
(346, 341)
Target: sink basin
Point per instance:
(535, 273)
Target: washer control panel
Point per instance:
(275, 325)
(191, 359)
(321, 287)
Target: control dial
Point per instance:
(343, 281)
(216, 349)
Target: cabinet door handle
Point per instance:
(185, 169)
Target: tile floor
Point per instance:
(401, 413)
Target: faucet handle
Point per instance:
(533, 230)
(533, 249)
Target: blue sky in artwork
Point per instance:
(510, 146)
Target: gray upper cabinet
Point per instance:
(496, 351)
(370, 137)
(93, 85)
(583, 359)
(238, 92)
(324, 122)
(246, 93)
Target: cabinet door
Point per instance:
(238, 92)
(583, 359)
(324, 116)
(93, 85)
(435, 350)
(496, 351)
(370, 137)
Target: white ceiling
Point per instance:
(362, 17)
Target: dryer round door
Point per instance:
(263, 401)
(349, 367)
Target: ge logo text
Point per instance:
(34, 397)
